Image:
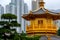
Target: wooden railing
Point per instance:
(29, 28)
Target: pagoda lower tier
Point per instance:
(41, 26)
(41, 31)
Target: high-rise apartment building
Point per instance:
(18, 8)
(20, 12)
(37, 3)
(14, 7)
(8, 8)
(25, 12)
(34, 5)
(1, 11)
(25, 8)
(11, 7)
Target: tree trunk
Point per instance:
(5, 37)
(9, 20)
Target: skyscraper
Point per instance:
(25, 8)
(37, 3)
(25, 12)
(8, 8)
(34, 5)
(11, 7)
(13, 11)
(20, 11)
(14, 7)
(1, 11)
(18, 8)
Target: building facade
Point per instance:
(18, 8)
(25, 8)
(37, 3)
(1, 11)
(14, 7)
(11, 7)
(20, 11)
(8, 8)
(25, 12)
(34, 5)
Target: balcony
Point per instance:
(29, 28)
(50, 29)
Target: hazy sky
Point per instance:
(50, 4)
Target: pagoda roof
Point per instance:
(41, 13)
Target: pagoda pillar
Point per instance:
(48, 37)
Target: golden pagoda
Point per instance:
(41, 21)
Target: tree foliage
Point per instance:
(5, 29)
(24, 36)
(58, 32)
(30, 38)
(3, 22)
(8, 16)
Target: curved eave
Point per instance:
(45, 15)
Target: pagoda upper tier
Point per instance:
(41, 13)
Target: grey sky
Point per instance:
(50, 4)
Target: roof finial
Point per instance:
(41, 4)
(30, 12)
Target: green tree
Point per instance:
(23, 36)
(58, 32)
(32, 38)
(15, 36)
(8, 16)
(5, 29)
